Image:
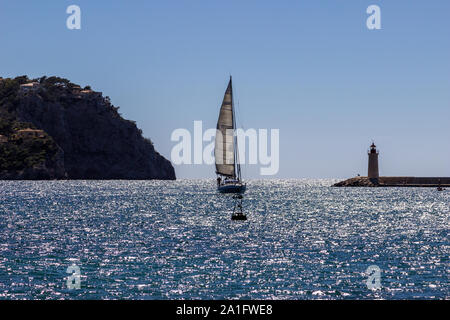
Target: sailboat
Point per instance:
(228, 168)
(439, 188)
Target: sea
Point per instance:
(303, 239)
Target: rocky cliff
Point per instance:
(51, 128)
(356, 182)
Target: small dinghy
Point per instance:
(237, 211)
(439, 188)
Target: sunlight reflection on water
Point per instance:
(173, 240)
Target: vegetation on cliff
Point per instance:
(18, 153)
(51, 128)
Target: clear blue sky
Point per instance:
(309, 68)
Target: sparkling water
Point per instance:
(175, 240)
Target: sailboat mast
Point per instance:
(237, 166)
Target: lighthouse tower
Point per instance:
(373, 172)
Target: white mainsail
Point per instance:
(224, 150)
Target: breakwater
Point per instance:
(395, 182)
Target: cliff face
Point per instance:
(92, 140)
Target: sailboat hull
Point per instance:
(232, 188)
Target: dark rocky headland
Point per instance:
(51, 128)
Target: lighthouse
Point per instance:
(373, 172)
